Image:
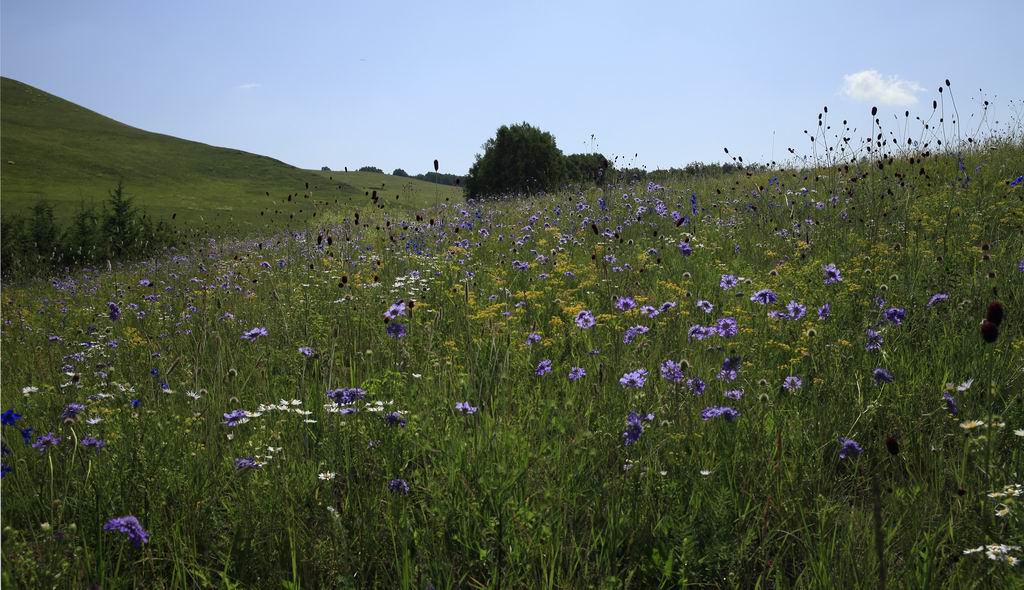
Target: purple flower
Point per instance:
(633, 332)
(671, 371)
(465, 408)
(520, 265)
(307, 351)
(874, 340)
(398, 486)
(576, 373)
(236, 417)
(832, 275)
(254, 333)
(72, 410)
(849, 448)
(696, 386)
(764, 297)
(895, 315)
(246, 463)
(395, 330)
(585, 319)
(92, 441)
(824, 311)
(699, 332)
(634, 427)
(128, 525)
(726, 327)
(710, 413)
(685, 249)
(734, 394)
(728, 282)
(882, 376)
(795, 310)
(624, 303)
(543, 368)
(532, 338)
(45, 442)
(396, 310)
(937, 298)
(792, 383)
(346, 395)
(705, 306)
(950, 403)
(635, 379)
(394, 419)
(730, 368)
(115, 311)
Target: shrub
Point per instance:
(518, 159)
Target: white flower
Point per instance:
(29, 389)
(192, 394)
(327, 476)
(971, 424)
(705, 472)
(93, 420)
(965, 385)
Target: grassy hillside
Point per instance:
(56, 150)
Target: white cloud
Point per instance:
(871, 86)
(249, 86)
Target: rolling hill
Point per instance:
(56, 150)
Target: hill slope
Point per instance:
(53, 149)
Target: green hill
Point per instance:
(56, 150)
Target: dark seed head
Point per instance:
(995, 313)
(892, 445)
(989, 331)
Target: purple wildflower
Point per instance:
(236, 417)
(624, 303)
(92, 441)
(399, 486)
(734, 394)
(635, 379)
(795, 310)
(696, 386)
(937, 298)
(465, 408)
(115, 311)
(895, 315)
(128, 525)
(72, 410)
(824, 311)
(9, 418)
(764, 297)
(346, 395)
(685, 249)
(254, 333)
(875, 340)
(792, 383)
(634, 427)
(395, 419)
(543, 368)
(849, 448)
(671, 371)
(730, 368)
(307, 351)
(246, 463)
(882, 376)
(950, 403)
(576, 373)
(532, 338)
(710, 413)
(705, 306)
(832, 275)
(45, 442)
(728, 282)
(396, 330)
(585, 319)
(633, 332)
(726, 327)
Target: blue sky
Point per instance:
(397, 84)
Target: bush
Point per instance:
(371, 169)
(519, 159)
(585, 168)
(399, 172)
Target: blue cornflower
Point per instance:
(9, 418)
(543, 368)
(634, 427)
(633, 332)
(394, 419)
(792, 383)
(734, 394)
(307, 351)
(796, 310)
(236, 417)
(128, 525)
(246, 463)
(730, 368)
(72, 410)
(882, 376)
(45, 442)
(396, 330)
(950, 403)
(671, 371)
(895, 315)
(696, 386)
(937, 298)
(532, 338)
(115, 311)
(398, 486)
(824, 311)
(875, 340)
(346, 395)
(728, 282)
(576, 373)
(92, 441)
(849, 448)
(764, 297)
(635, 379)
(710, 413)
(585, 319)
(254, 333)
(685, 249)
(705, 306)
(624, 303)
(727, 327)
(832, 275)
(465, 408)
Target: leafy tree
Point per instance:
(583, 168)
(441, 178)
(518, 159)
(399, 172)
(82, 241)
(43, 232)
(371, 169)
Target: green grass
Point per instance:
(55, 150)
(537, 489)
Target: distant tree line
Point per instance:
(35, 243)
